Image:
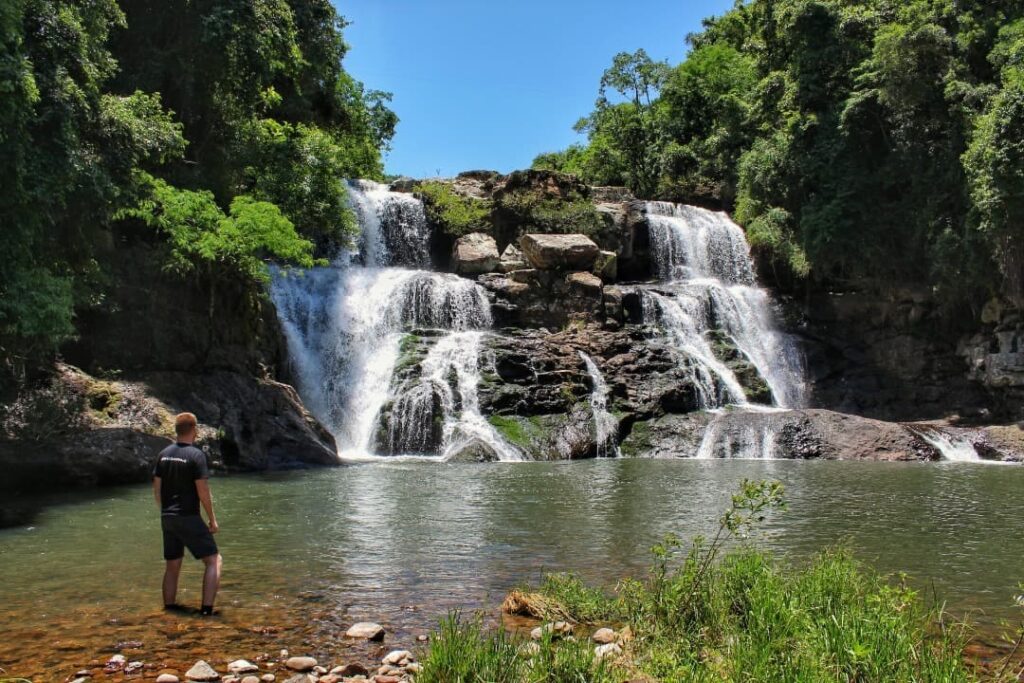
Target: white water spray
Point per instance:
(344, 323)
(705, 261)
(606, 427)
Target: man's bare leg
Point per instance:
(211, 580)
(171, 573)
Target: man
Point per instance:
(180, 484)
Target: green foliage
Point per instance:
(464, 652)
(244, 100)
(199, 234)
(537, 212)
(742, 616)
(868, 144)
(455, 214)
(300, 168)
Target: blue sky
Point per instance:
(490, 84)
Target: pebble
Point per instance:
(80, 679)
(230, 679)
(268, 678)
(558, 629)
(319, 670)
(387, 679)
(603, 636)
(414, 668)
(422, 638)
(351, 670)
(301, 678)
(609, 650)
(300, 663)
(201, 671)
(366, 630)
(117, 660)
(330, 678)
(166, 678)
(241, 666)
(132, 667)
(284, 654)
(84, 673)
(395, 657)
(251, 679)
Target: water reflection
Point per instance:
(401, 543)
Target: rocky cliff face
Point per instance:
(164, 345)
(558, 295)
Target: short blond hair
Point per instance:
(184, 423)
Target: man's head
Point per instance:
(185, 427)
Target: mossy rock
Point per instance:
(639, 440)
(454, 214)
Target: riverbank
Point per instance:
(309, 553)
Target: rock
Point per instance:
(585, 283)
(395, 657)
(512, 259)
(612, 301)
(166, 678)
(366, 630)
(251, 679)
(609, 650)
(329, 678)
(301, 678)
(387, 679)
(201, 671)
(230, 679)
(80, 679)
(319, 670)
(603, 636)
(475, 254)
(559, 252)
(132, 667)
(422, 638)
(557, 629)
(606, 266)
(300, 663)
(268, 678)
(241, 666)
(350, 670)
(117, 660)
(414, 668)
(283, 654)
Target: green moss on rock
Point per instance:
(455, 214)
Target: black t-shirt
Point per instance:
(179, 466)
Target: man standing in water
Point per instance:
(180, 484)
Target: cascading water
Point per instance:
(344, 323)
(753, 439)
(606, 427)
(952, 448)
(444, 399)
(708, 282)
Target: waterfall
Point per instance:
(440, 411)
(950, 447)
(606, 427)
(750, 439)
(344, 323)
(704, 262)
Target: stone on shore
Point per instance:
(201, 671)
(351, 670)
(366, 630)
(398, 658)
(241, 666)
(166, 678)
(475, 253)
(251, 679)
(603, 636)
(300, 663)
(268, 678)
(559, 252)
(609, 650)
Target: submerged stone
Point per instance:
(366, 630)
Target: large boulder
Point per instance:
(475, 253)
(559, 252)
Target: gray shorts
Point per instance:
(187, 532)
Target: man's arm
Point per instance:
(156, 491)
(203, 489)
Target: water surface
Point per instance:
(308, 553)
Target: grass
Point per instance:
(704, 614)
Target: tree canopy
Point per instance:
(223, 127)
(859, 142)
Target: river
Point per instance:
(402, 542)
